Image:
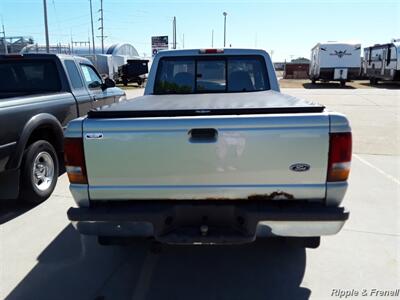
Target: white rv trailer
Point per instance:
(335, 61)
(382, 62)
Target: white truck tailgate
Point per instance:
(228, 157)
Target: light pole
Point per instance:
(46, 29)
(91, 21)
(4, 40)
(225, 14)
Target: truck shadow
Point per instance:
(13, 208)
(326, 85)
(74, 267)
(383, 85)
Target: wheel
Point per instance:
(39, 172)
(342, 83)
(373, 81)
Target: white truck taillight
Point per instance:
(75, 160)
(339, 156)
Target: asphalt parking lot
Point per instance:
(42, 257)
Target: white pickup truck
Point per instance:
(212, 153)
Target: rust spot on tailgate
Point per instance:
(272, 196)
(259, 197)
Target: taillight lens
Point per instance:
(339, 156)
(75, 160)
(211, 51)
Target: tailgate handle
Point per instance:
(203, 135)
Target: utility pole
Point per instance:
(72, 44)
(91, 20)
(212, 38)
(101, 26)
(46, 29)
(4, 40)
(174, 33)
(225, 14)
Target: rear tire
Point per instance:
(342, 83)
(39, 172)
(373, 81)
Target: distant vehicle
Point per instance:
(212, 153)
(39, 95)
(382, 62)
(133, 71)
(335, 61)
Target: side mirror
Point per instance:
(108, 83)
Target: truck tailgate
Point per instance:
(276, 156)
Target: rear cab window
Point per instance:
(211, 74)
(29, 76)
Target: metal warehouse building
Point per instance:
(107, 64)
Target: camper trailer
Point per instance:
(382, 62)
(335, 61)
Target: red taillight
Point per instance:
(211, 51)
(339, 156)
(75, 160)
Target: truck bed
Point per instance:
(263, 102)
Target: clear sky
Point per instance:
(289, 28)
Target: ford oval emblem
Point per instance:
(299, 167)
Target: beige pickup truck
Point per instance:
(212, 153)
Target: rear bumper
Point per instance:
(328, 73)
(199, 222)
